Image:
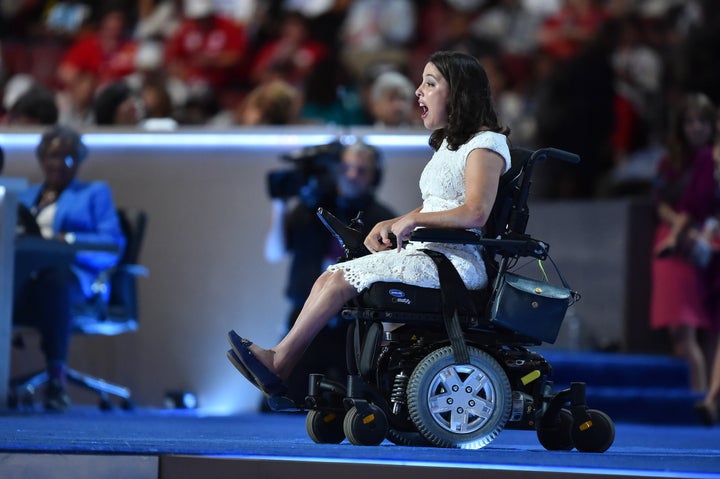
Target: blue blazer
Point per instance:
(87, 210)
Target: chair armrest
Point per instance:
(519, 246)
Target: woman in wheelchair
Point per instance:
(458, 186)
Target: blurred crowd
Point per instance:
(596, 77)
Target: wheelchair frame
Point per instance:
(449, 377)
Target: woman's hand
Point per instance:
(379, 237)
(403, 228)
(667, 246)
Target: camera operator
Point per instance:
(296, 231)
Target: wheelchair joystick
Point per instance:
(357, 223)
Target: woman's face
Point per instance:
(433, 94)
(58, 165)
(698, 130)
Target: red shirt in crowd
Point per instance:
(206, 51)
(87, 55)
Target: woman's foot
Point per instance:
(256, 362)
(707, 412)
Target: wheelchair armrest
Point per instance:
(509, 246)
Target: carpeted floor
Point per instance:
(667, 451)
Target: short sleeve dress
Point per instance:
(442, 185)
(683, 294)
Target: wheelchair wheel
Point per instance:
(558, 436)
(407, 438)
(596, 434)
(367, 428)
(459, 405)
(324, 427)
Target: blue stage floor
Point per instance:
(638, 450)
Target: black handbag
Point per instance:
(531, 307)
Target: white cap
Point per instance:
(198, 8)
(149, 55)
(16, 86)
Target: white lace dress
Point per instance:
(442, 185)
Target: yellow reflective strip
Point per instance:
(585, 426)
(530, 377)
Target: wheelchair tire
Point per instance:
(324, 427)
(407, 438)
(595, 434)
(558, 436)
(365, 429)
(459, 405)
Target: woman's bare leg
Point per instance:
(686, 346)
(713, 394)
(328, 295)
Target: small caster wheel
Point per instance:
(595, 433)
(557, 436)
(127, 405)
(368, 428)
(325, 427)
(106, 405)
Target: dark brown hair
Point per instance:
(679, 152)
(470, 105)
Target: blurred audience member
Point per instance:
(37, 106)
(107, 52)
(377, 31)
(118, 104)
(158, 19)
(685, 297)
(199, 108)
(75, 100)
(274, 102)
(290, 56)
(150, 71)
(565, 33)
(15, 87)
(638, 106)
(331, 96)
(574, 112)
(206, 51)
(392, 100)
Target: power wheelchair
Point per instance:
(447, 375)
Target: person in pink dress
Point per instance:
(684, 298)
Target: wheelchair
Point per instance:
(444, 374)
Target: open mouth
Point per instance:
(423, 111)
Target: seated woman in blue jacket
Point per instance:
(69, 210)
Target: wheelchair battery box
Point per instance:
(530, 307)
(401, 297)
(408, 298)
